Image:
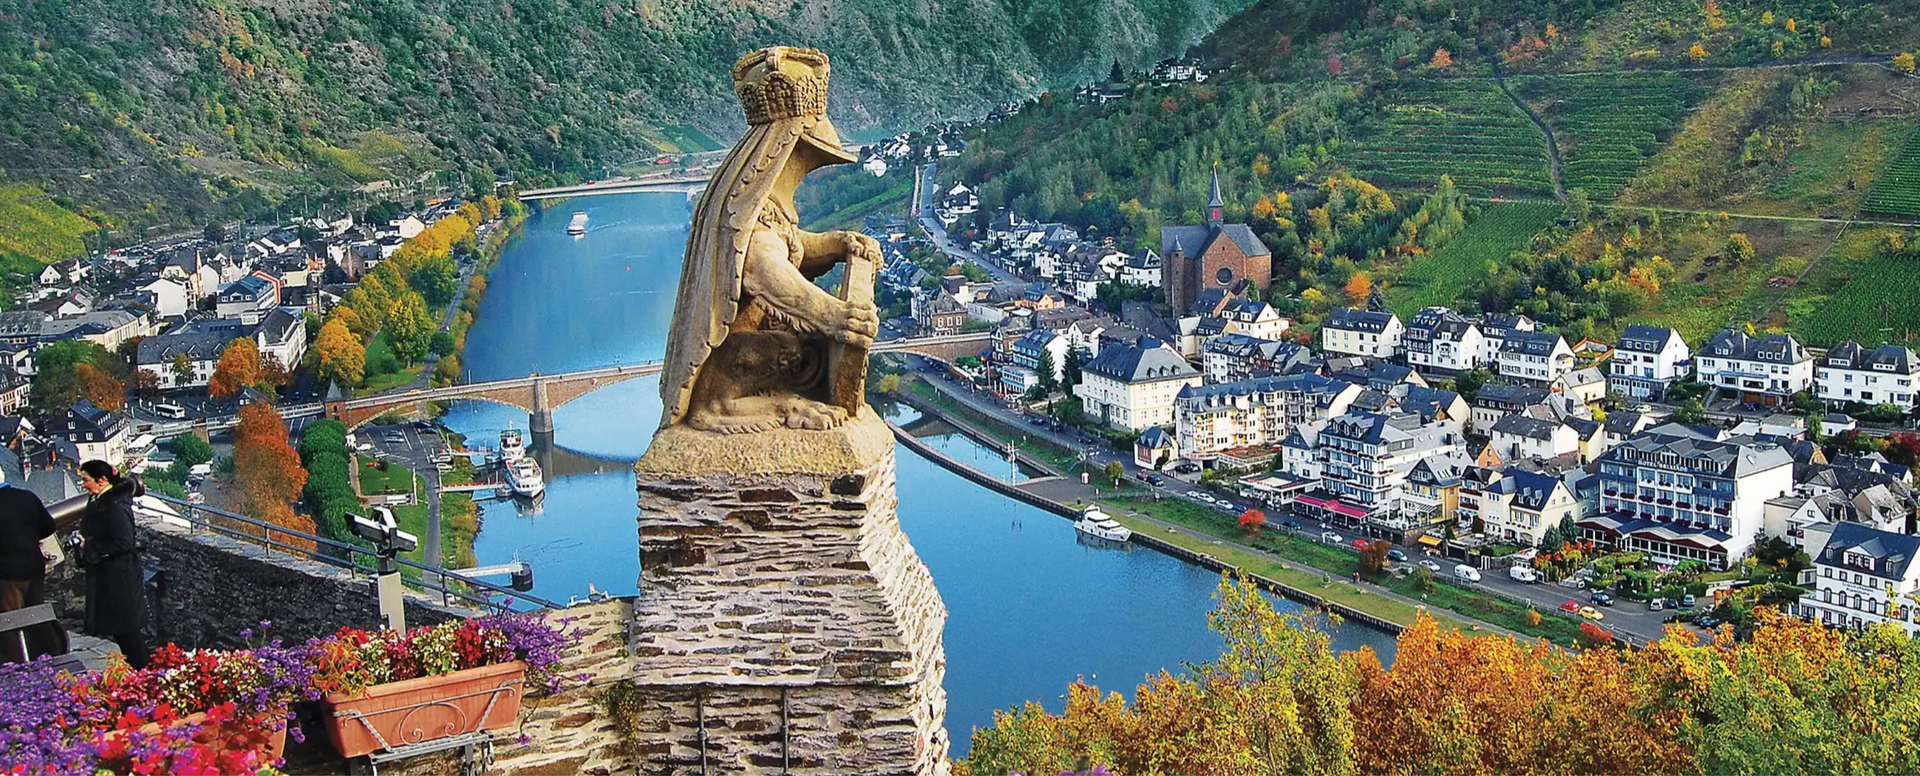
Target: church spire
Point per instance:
(1216, 205)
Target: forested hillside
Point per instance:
(163, 112)
(1700, 162)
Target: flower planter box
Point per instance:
(232, 736)
(415, 711)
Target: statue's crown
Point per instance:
(781, 83)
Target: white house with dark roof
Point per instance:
(1849, 373)
(1520, 436)
(1864, 576)
(96, 432)
(1133, 387)
(1647, 360)
(1357, 332)
(1759, 369)
(1364, 459)
(1495, 328)
(1517, 505)
(1442, 342)
(1534, 357)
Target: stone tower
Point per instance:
(784, 623)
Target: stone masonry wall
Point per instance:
(759, 586)
(216, 586)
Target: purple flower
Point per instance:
(524, 740)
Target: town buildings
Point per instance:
(1534, 357)
(1758, 369)
(1685, 493)
(1357, 332)
(1647, 360)
(1134, 386)
(1850, 374)
(1865, 576)
(1363, 460)
(1259, 412)
(1439, 341)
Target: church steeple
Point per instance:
(1216, 205)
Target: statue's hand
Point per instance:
(862, 246)
(858, 323)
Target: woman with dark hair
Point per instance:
(116, 600)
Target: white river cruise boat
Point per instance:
(578, 226)
(523, 476)
(1095, 524)
(513, 447)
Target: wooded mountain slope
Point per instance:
(186, 109)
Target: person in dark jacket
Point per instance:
(116, 598)
(24, 523)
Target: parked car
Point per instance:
(1570, 607)
(1524, 574)
(1360, 544)
(1656, 604)
(1592, 613)
(1291, 523)
(1395, 555)
(1430, 565)
(1603, 599)
(1466, 573)
(1155, 479)
(1331, 537)
(1198, 495)
(1687, 600)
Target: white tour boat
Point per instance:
(1097, 524)
(578, 226)
(512, 446)
(523, 475)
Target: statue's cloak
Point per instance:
(723, 224)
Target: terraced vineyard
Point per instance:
(1466, 128)
(1440, 278)
(1609, 125)
(1897, 191)
(1876, 304)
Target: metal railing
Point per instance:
(454, 588)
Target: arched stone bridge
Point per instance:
(540, 395)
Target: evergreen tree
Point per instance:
(1045, 370)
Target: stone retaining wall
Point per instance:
(213, 587)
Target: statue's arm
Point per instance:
(773, 279)
(822, 250)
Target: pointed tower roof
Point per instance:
(1213, 190)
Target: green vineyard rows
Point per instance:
(1440, 278)
(1464, 128)
(1609, 125)
(31, 224)
(1897, 191)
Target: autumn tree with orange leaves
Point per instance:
(1792, 697)
(267, 471)
(1251, 520)
(239, 367)
(1359, 288)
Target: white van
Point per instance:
(1466, 573)
(170, 411)
(1525, 574)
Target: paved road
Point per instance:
(938, 232)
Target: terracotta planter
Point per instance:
(396, 714)
(273, 747)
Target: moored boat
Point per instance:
(513, 446)
(523, 475)
(578, 225)
(1098, 525)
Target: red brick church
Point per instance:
(1213, 255)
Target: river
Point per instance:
(1029, 608)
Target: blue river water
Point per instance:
(1030, 609)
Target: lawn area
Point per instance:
(374, 482)
(1442, 595)
(457, 530)
(1344, 594)
(384, 371)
